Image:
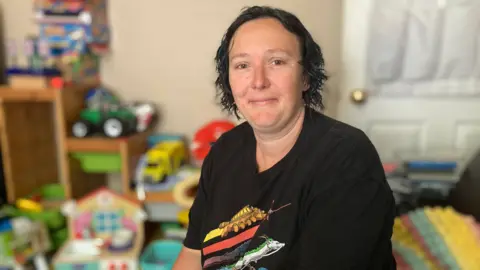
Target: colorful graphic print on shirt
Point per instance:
(243, 227)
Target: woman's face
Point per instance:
(265, 75)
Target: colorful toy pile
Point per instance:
(436, 238)
(32, 228)
(72, 35)
(168, 157)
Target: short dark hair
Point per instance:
(311, 53)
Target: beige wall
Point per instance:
(163, 50)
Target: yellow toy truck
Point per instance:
(163, 160)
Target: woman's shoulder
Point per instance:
(326, 128)
(226, 151)
(343, 157)
(340, 142)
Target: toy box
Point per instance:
(72, 36)
(73, 25)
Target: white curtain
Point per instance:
(425, 47)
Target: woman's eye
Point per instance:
(278, 62)
(241, 66)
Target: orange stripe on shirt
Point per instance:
(228, 243)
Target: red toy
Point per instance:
(206, 136)
(57, 82)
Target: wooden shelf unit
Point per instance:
(37, 144)
(129, 149)
(32, 132)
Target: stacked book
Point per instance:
(417, 180)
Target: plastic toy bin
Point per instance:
(160, 255)
(99, 162)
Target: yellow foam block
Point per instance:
(458, 236)
(402, 235)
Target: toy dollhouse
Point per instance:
(105, 232)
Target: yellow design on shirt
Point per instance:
(212, 234)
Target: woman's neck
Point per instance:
(272, 148)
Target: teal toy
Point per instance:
(160, 255)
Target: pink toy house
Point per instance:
(106, 232)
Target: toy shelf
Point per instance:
(113, 155)
(50, 113)
(32, 132)
(129, 149)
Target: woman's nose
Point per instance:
(260, 79)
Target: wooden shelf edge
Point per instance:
(155, 197)
(9, 93)
(93, 145)
(101, 144)
(20, 94)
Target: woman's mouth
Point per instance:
(263, 101)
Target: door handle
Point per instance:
(358, 96)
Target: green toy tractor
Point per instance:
(112, 123)
(106, 115)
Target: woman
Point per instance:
(290, 188)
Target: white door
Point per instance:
(427, 118)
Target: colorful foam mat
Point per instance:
(436, 238)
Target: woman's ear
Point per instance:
(305, 84)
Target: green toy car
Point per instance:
(106, 115)
(112, 123)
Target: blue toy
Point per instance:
(67, 39)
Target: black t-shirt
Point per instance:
(325, 205)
